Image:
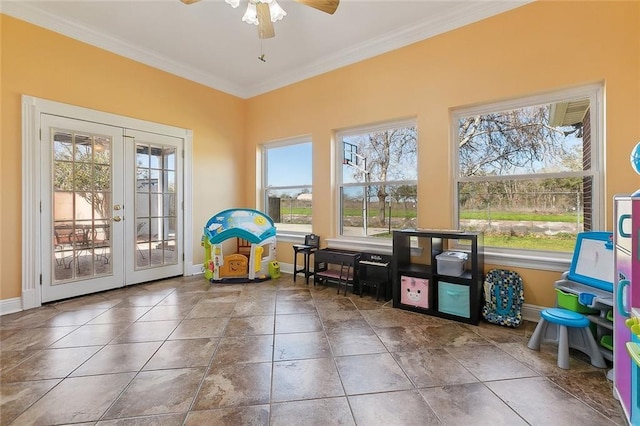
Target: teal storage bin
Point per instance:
(453, 299)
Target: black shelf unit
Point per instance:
(457, 298)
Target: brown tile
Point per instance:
(399, 318)
(30, 318)
(199, 328)
(590, 387)
(295, 307)
(9, 359)
(544, 361)
(77, 399)
(298, 323)
(250, 326)
(301, 379)
(147, 331)
(433, 367)
(301, 346)
(166, 312)
(235, 385)
(405, 339)
(336, 304)
(142, 299)
(50, 364)
(539, 401)
(34, 338)
(127, 314)
(159, 420)
(368, 303)
(212, 308)
(371, 373)
(320, 412)
(471, 404)
(257, 415)
(392, 408)
(183, 353)
(158, 392)
(118, 358)
(293, 295)
(490, 363)
(354, 341)
(90, 335)
(342, 319)
(244, 349)
(16, 397)
(249, 308)
(69, 318)
(500, 334)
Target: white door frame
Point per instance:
(32, 108)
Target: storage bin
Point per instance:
(451, 263)
(570, 301)
(453, 299)
(414, 291)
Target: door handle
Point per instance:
(118, 207)
(117, 218)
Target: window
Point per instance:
(378, 179)
(529, 172)
(287, 183)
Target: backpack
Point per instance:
(504, 297)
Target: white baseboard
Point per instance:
(531, 312)
(9, 306)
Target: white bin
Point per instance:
(451, 263)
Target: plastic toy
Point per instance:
(247, 224)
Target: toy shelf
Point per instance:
(454, 295)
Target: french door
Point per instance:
(111, 213)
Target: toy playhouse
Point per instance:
(256, 263)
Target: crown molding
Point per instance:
(470, 12)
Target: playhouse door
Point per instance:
(109, 207)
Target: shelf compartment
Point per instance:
(453, 299)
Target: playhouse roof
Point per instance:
(248, 224)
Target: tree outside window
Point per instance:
(378, 182)
(528, 177)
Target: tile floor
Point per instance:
(181, 351)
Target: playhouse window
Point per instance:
(288, 185)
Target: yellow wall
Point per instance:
(536, 48)
(533, 49)
(44, 64)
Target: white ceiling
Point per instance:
(208, 43)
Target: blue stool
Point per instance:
(568, 329)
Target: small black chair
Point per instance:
(311, 244)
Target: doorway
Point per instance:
(112, 194)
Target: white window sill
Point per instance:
(544, 261)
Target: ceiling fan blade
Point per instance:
(327, 6)
(265, 26)
(189, 1)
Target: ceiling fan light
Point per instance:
(233, 3)
(251, 15)
(277, 12)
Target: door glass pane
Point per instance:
(81, 205)
(155, 205)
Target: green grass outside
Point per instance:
(520, 216)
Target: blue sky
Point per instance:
(290, 165)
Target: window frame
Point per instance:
(539, 259)
(299, 140)
(365, 242)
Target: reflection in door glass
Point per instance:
(81, 205)
(155, 208)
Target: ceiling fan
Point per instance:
(264, 13)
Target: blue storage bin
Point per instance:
(453, 299)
